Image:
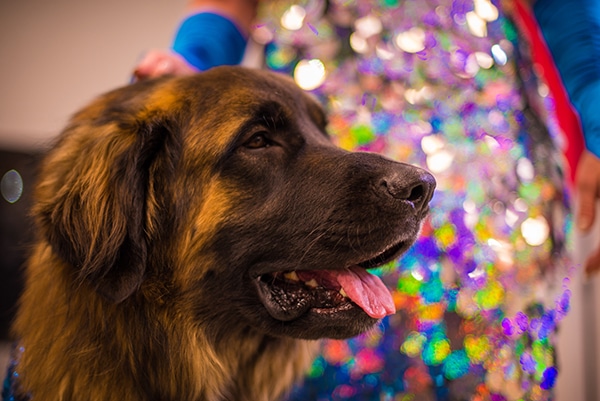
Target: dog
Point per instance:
(197, 236)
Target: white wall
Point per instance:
(56, 55)
(579, 339)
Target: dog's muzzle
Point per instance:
(396, 196)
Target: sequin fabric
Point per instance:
(447, 85)
(11, 382)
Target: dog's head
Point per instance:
(222, 192)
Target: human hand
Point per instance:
(587, 187)
(159, 62)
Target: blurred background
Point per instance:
(58, 55)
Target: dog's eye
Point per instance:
(258, 140)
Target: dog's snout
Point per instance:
(410, 184)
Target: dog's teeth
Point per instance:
(343, 293)
(291, 276)
(312, 283)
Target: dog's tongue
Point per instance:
(367, 291)
(364, 289)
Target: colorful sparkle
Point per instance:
(456, 365)
(443, 84)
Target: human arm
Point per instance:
(571, 29)
(214, 33)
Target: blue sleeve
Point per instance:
(207, 40)
(571, 29)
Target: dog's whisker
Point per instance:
(323, 228)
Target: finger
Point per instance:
(587, 187)
(147, 67)
(163, 67)
(143, 72)
(592, 264)
(586, 211)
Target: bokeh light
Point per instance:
(12, 186)
(411, 41)
(436, 85)
(293, 18)
(309, 74)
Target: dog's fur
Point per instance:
(159, 208)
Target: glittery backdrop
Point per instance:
(447, 85)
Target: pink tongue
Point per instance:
(367, 291)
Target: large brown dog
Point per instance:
(196, 234)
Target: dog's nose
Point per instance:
(411, 184)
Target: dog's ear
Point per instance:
(96, 198)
